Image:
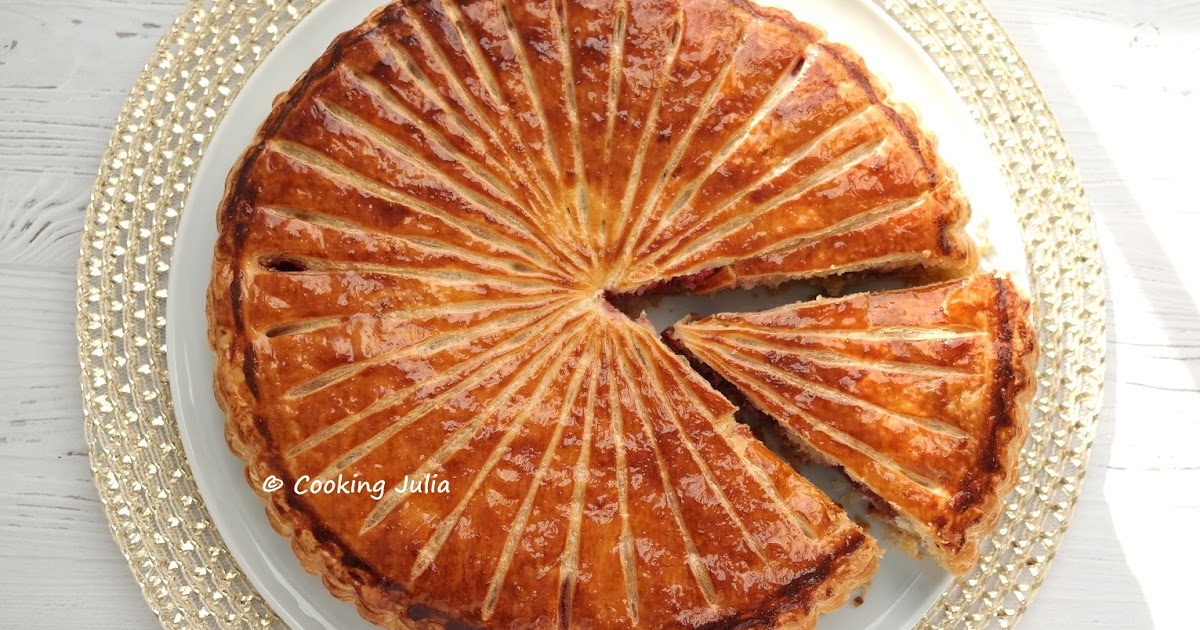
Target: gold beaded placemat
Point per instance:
(157, 517)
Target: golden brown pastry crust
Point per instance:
(919, 395)
(413, 160)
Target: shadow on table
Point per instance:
(1115, 596)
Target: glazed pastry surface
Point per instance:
(919, 395)
(412, 278)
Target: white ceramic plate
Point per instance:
(903, 589)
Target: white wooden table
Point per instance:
(1123, 77)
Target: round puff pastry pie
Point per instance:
(413, 275)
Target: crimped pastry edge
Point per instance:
(1017, 383)
(321, 559)
(1021, 386)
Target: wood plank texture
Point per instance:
(1119, 74)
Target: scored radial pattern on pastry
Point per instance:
(919, 395)
(412, 277)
